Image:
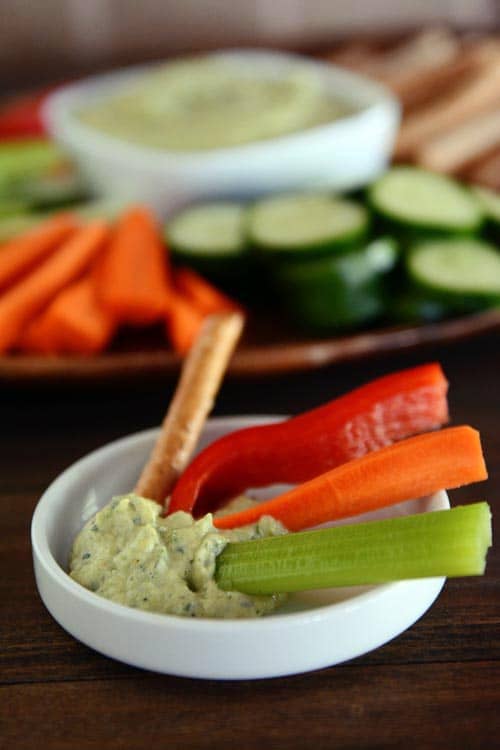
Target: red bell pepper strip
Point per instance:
(298, 449)
(20, 117)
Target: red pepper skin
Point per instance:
(377, 414)
(21, 116)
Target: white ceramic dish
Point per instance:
(317, 629)
(344, 154)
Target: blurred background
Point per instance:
(54, 39)
(439, 63)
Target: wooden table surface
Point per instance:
(437, 685)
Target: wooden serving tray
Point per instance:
(260, 353)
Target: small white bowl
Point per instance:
(316, 629)
(344, 154)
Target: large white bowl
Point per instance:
(316, 629)
(346, 153)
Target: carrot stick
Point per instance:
(183, 323)
(132, 279)
(85, 326)
(74, 322)
(407, 470)
(201, 376)
(21, 254)
(30, 295)
(206, 297)
(39, 337)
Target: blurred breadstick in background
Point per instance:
(355, 55)
(453, 150)
(425, 51)
(416, 69)
(477, 93)
(487, 172)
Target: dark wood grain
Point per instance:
(435, 686)
(433, 705)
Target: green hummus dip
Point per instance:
(203, 103)
(130, 554)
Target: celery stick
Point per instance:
(19, 159)
(442, 543)
(99, 208)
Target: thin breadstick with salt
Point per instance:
(193, 399)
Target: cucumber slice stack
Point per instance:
(412, 250)
(295, 226)
(339, 291)
(410, 198)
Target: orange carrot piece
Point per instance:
(74, 322)
(25, 299)
(20, 255)
(132, 278)
(85, 326)
(183, 323)
(206, 297)
(40, 337)
(406, 470)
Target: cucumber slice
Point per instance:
(412, 197)
(490, 203)
(210, 238)
(207, 231)
(340, 291)
(462, 273)
(295, 226)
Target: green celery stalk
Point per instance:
(441, 543)
(19, 159)
(99, 208)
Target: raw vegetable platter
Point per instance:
(338, 267)
(349, 276)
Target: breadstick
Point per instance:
(480, 91)
(193, 399)
(452, 150)
(411, 68)
(418, 89)
(487, 173)
(424, 51)
(358, 56)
